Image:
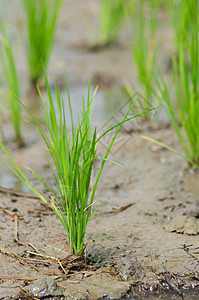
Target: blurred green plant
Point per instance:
(73, 156)
(110, 21)
(41, 21)
(12, 81)
(144, 45)
(184, 114)
(181, 12)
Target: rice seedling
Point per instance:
(11, 78)
(184, 115)
(110, 21)
(73, 155)
(3, 113)
(180, 12)
(41, 21)
(144, 46)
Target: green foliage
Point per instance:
(185, 118)
(144, 46)
(110, 20)
(11, 78)
(72, 155)
(181, 15)
(41, 21)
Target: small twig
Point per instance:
(16, 227)
(118, 209)
(49, 258)
(6, 211)
(70, 258)
(15, 217)
(23, 259)
(172, 286)
(18, 194)
(51, 272)
(186, 248)
(33, 247)
(11, 277)
(23, 291)
(16, 232)
(12, 214)
(122, 208)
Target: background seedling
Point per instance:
(144, 45)
(41, 21)
(184, 111)
(110, 21)
(180, 12)
(72, 155)
(11, 78)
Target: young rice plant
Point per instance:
(185, 117)
(144, 47)
(41, 21)
(11, 78)
(180, 12)
(110, 21)
(73, 155)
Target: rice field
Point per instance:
(99, 156)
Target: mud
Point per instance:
(129, 253)
(129, 248)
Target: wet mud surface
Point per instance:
(143, 239)
(130, 251)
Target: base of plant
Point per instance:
(38, 83)
(100, 45)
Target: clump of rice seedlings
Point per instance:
(110, 21)
(41, 21)
(73, 155)
(144, 45)
(182, 101)
(180, 12)
(11, 78)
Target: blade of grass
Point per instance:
(144, 46)
(10, 74)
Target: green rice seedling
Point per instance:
(41, 21)
(144, 45)
(3, 113)
(11, 78)
(110, 21)
(184, 115)
(181, 12)
(73, 155)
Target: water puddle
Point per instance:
(191, 295)
(11, 182)
(106, 105)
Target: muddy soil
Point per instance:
(133, 248)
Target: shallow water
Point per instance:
(11, 182)
(187, 296)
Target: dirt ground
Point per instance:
(143, 239)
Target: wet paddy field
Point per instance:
(143, 240)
